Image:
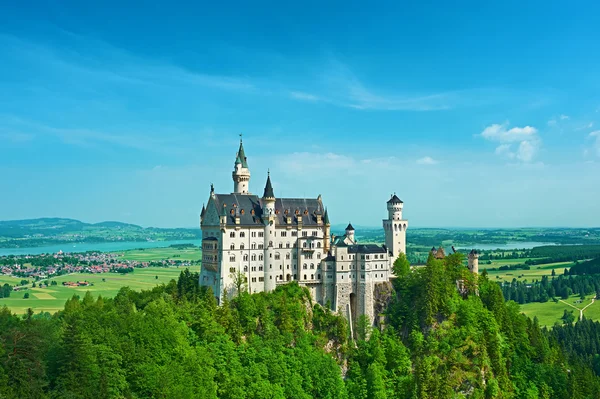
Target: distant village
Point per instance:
(47, 265)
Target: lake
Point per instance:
(103, 247)
(509, 245)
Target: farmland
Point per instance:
(52, 298)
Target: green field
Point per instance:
(157, 254)
(535, 273)
(549, 313)
(52, 299)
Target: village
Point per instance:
(43, 266)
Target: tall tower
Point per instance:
(350, 233)
(241, 173)
(268, 205)
(395, 227)
(326, 236)
(473, 261)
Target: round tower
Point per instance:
(269, 220)
(395, 227)
(350, 232)
(241, 172)
(473, 261)
(327, 235)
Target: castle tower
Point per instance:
(241, 173)
(269, 219)
(327, 235)
(395, 227)
(473, 261)
(350, 233)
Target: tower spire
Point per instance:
(268, 187)
(241, 172)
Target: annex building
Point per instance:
(271, 240)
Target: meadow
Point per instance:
(534, 273)
(158, 254)
(549, 313)
(53, 298)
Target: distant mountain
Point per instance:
(47, 231)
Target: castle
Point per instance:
(260, 242)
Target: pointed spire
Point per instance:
(241, 155)
(202, 211)
(326, 217)
(349, 227)
(268, 187)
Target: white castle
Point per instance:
(266, 241)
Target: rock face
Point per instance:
(382, 295)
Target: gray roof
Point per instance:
(395, 200)
(307, 209)
(366, 249)
(241, 156)
(268, 188)
(349, 227)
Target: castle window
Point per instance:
(252, 212)
(281, 277)
(287, 256)
(305, 276)
(254, 279)
(294, 234)
(312, 276)
(284, 233)
(232, 246)
(287, 244)
(280, 245)
(319, 276)
(277, 211)
(232, 234)
(254, 257)
(314, 233)
(295, 277)
(245, 258)
(270, 243)
(305, 266)
(306, 212)
(253, 268)
(242, 211)
(305, 234)
(254, 234)
(242, 234)
(288, 267)
(241, 246)
(261, 279)
(253, 245)
(260, 246)
(318, 255)
(260, 257)
(260, 268)
(304, 244)
(277, 256)
(319, 245)
(245, 269)
(261, 233)
(312, 265)
(232, 258)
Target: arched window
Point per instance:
(242, 234)
(254, 257)
(312, 265)
(241, 246)
(312, 276)
(305, 266)
(319, 244)
(246, 258)
(232, 234)
(253, 245)
(232, 246)
(304, 244)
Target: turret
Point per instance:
(202, 212)
(326, 236)
(395, 227)
(473, 261)
(241, 172)
(269, 219)
(350, 232)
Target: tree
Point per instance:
(239, 282)
(401, 266)
(26, 296)
(553, 273)
(568, 317)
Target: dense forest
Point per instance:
(175, 342)
(581, 279)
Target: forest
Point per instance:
(173, 341)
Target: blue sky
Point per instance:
(479, 116)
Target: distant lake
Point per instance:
(509, 245)
(102, 247)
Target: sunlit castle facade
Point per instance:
(271, 241)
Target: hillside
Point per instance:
(49, 231)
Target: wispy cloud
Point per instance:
(427, 161)
(527, 138)
(595, 146)
(299, 95)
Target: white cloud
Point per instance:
(497, 132)
(427, 161)
(527, 138)
(564, 117)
